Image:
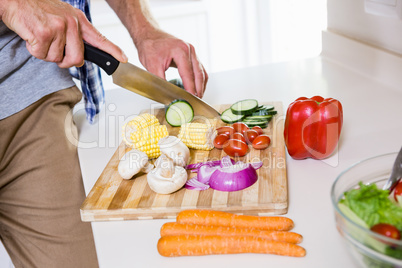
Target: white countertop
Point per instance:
(372, 126)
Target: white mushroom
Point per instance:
(175, 149)
(166, 178)
(166, 166)
(133, 162)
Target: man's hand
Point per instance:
(54, 31)
(159, 51)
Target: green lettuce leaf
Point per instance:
(373, 206)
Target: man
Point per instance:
(40, 179)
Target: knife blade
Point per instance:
(396, 173)
(144, 83)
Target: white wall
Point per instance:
(245, 33)
(349, 18)
(296, 28)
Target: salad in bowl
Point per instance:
(368, 217)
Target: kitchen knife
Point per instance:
(396, 173)
(144, 83)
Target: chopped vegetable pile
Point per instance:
(234, 139)
(249, 112)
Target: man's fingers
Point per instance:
(162, 51)
(38, 47)
(199, 73)
(91, 35)
(58, 41)
(74, 48)
(55, 52)
(158, 70)
(185, 68)
(45, 42)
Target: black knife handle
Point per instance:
(104, 60)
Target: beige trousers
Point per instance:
(41, 187)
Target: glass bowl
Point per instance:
(366, 247)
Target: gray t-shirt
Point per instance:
(25, 79)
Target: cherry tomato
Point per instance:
(235, 148)
(258, 129)
(250, 135)
(398, 190)
(387, 230)
(239, 136)
(220, 140)
(261, 142)
(240, 127)
(228, 130)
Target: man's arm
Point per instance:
(158, 50)
(54, 30)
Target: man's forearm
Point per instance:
(136, 17)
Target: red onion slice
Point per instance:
(205, 172)
(226, 161)
(200, 164)
(256, 165)
(233, 178)
(194, 184)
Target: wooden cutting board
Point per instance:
(113, 198)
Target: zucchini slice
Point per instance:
(244, 107)
(179, 112)
(229, 117)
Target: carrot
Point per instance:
(196, 245)
(174, 228)
(219, 218)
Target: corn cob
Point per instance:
(149, 141)
(143, 133)
(198, 136)
(141, 121)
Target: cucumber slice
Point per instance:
(259, 117)
(177, 82)
(228, 117)
(244, 107)
(265, 107)
(251, 124)
(257, 120)
(265, 112)
(179, 112)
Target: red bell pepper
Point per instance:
(313, 127)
